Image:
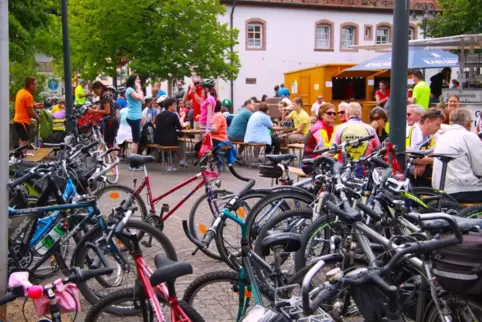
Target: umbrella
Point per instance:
(417, 58)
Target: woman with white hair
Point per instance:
(342, 111)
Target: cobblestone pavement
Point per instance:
(162, 182)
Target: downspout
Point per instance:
(232, 51)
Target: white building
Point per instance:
(277, 36)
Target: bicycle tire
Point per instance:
(429, 191)
(91, 236)
(472, 212)
(138, 199)
(452, 208)
(128, 295)
(193, 227)
(210, 278)
(276, 194)
(432, 314)
(220, 237)
(300, 257)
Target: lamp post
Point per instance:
(67, 71)
(428, 10)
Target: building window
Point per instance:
(384, 33)
(368, 32)
(251, 81)
(347, 37)
(412, 32)
(255, 34)
(322, 37)
(383, 36)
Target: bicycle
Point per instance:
(47, 297)
(151, 288)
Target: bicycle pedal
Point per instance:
(146, 244)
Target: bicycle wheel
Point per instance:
(279, 200)
(463, 309)
(315, 241)
(217, 292)
(293, 221)
(425, 193)
(471, 212)
(112, 175)
(448, 207)
(112, 195)
(123, 276)
(99, 312)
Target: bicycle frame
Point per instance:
(153, 201)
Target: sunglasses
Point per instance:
(376, 118)
(409, 114)
(341, 112)
(330, 113)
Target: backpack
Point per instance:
(147, 134)
(46, 121)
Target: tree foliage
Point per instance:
(161, 39)
(458, 17)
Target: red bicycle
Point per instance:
(153, 289)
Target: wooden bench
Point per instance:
(163, 149)
(297, 172)
(297, 146)
(254, 150)
(38, 155)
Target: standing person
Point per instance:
(464, 174)
(135, 99)
(25, 110)
(79, 93)
(342, 112)
(379, 120)
(121, 100)
(239, 125)
(316, 106)
(208, 105)
(106, 108)
(421, 91)
(438, 81)
(283, 91)
(124, 134)
(422, 136)
(167, 125)
(301, 122)
(320, 133)
(382, 95)
(349, 91)
(180, 92)
(195, 96)
(264, 98)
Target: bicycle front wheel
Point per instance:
(111, 196)
(141, 309)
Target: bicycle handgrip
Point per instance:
(80, 276)
(379, 162)
(325, 295)
(22, 179)
(7, 298)
(190, 236)
(247, 187)
(367, 210)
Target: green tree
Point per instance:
(161, 39)
(458, 17)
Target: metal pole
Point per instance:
(231, 24)
(398, 96)
(4, 148)
(67, 71)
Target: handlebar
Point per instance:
(237, 175)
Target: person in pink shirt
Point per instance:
(354, 128)
(208, 105)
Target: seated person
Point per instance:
(423, 136)
(59, 106)
(259, 130)
(464, 174)
(379, 121)
(150, 111)
(301, 122)
(59, 113)
(219, 127)
(237, 130)
(167, 123)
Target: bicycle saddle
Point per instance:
(281, 157)
(290, 242)
(446, 157)
(464, 224)
(168, 270)
(138, 160)
(418, 153)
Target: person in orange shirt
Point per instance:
(24, 110)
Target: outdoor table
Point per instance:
(191, 132)
(38, 155)
(283, 129)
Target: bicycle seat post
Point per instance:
(444, 173)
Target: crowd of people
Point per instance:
(127, 113)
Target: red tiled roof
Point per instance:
(352, 4)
